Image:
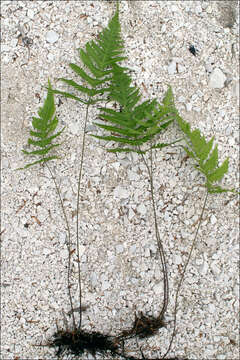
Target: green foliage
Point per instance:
(43, 133)
(98, 57)
(134, 125)
(205, 157)
(131, 127)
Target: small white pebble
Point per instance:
(14, 42)
(198, 261)
(119, 249)
(182, 99)
(116, 165)
(142, 209)
(5, 47)
(215, 269)
(93, 279)
(177, 259)
(120, 192)
(132, 249)
(204, 268)
(81, 249)
(217, 79)
(172, 68)
(147, 252)
(30, 14)
(209, 9)
(52, 37)
(213, 219)
(235, 89)
(131, 214)
(50, 57)
(231, 141)
(133, 176)
(229, 131)
(198, 9)
(208, 67)
(74, 128)
(211, 308)
(163, 29)
(105, 285)
(181, 68)
(158, 289)
(22, 321)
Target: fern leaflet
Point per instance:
(206, 158)
(135, 124)
(43, 133)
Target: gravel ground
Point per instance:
(121, 270)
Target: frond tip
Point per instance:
(97, 59)
(43, 134)
(206, 158)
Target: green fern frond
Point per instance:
(126, 150)
(134, 124)
(98, 58)
(204, 156)
(162, 145)
(43, 127)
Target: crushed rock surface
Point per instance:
(121, 271)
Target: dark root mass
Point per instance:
(78, 341)
(143, 327)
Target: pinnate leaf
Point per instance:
(136, 124)
(206, 159)
(98, 58)
(44, 127)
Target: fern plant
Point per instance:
(44, 133)
(98, 58)
(135, 126)
(131, 128)
(145, 121)
(205, 159)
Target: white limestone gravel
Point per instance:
(120, 265)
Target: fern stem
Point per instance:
(78, 205)
(182, 277)
(159, 242)
(68, 243)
